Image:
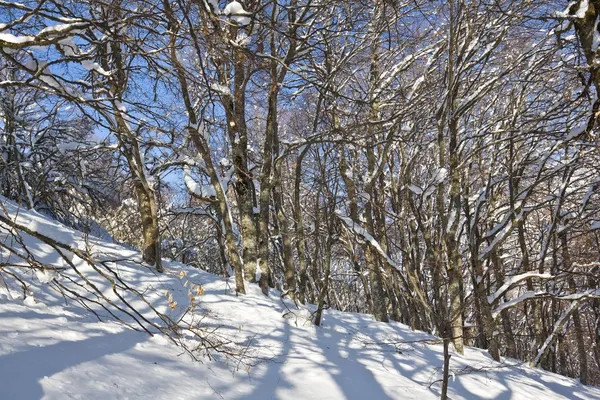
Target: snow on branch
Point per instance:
(512, 280)
(362, 232)
(236, 12)
(45, 37)
(557, 328)
(575, 297)
(195, 189)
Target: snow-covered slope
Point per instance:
(55, 349)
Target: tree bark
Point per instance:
(577, 325)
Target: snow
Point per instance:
(12, 39)
(511, 280)
(565, 12)
(191, 185)
(557, 327)
(54, 349)
(64, 147)
(225, 162)
(60, 28)
(586, 198)
(415, 189)
(576, 131)
(221, 89)
(440, 175)
(214, 4)
(499, 232)
(237, 13)
(513, 302)
(574, 298)
(582, 295)
(94, 66)
(206, 191)
(388, 76)
(362, 232)
(583, 7)
(46, 275)
(596, 36)
(120, 106)
(31, 64)
(258, 274)
(416, 86)
(69, 47)
(242, 39)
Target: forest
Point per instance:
(434, 163)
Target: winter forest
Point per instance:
(433, 163)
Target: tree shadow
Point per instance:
(354, 378)
(266, 386)
(21, 372)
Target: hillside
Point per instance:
(53, 348)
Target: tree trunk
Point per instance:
(233, 257)
(266, 183)
(577, 325)
(237, 130)
(325, 287)
(150, 230)
(299, 228)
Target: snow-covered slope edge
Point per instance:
(53, 349)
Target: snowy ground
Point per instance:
(54, 349)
